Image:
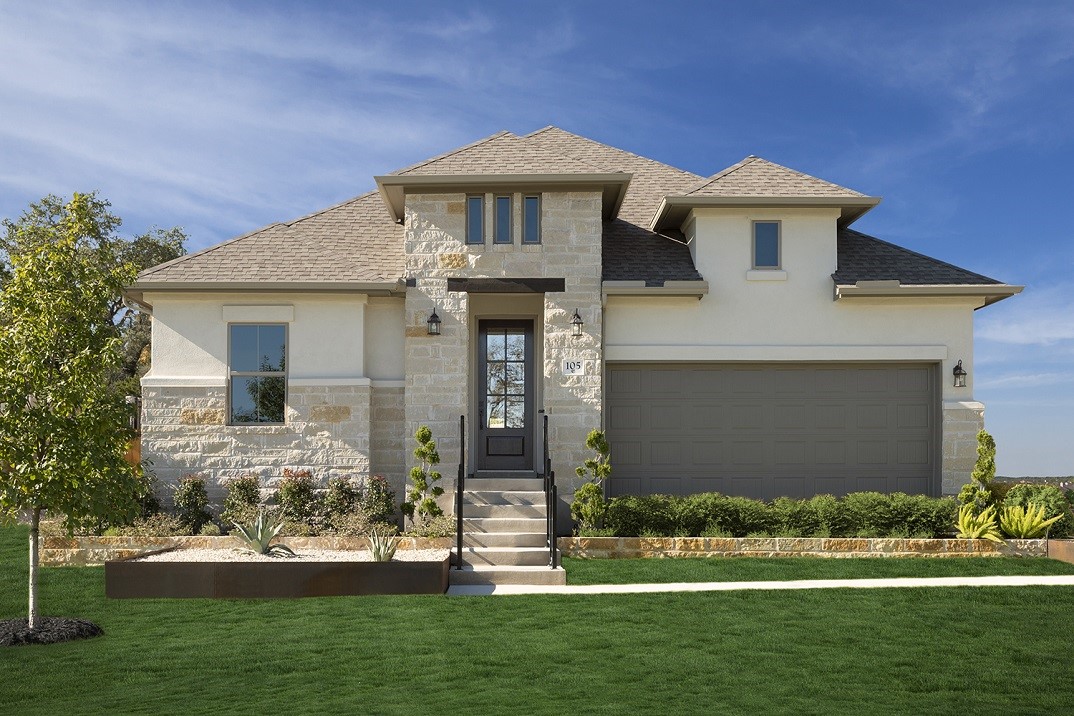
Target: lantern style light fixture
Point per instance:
(434, 324)
(576, 324)
(960, 375)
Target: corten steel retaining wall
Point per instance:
(93, 551)
(634, 547)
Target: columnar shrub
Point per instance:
(978, 492)
(191, 503)
(421, 497)
(241, 500)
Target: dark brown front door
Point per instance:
(505, 395)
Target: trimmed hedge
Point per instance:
(859, 514)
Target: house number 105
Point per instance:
(573, 367)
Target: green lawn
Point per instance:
(896, 651)
(752, 569)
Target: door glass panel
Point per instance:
(516, 346)
(496, 348)
(515, 383)
(495, 411)
(494, 380)
(516, 409)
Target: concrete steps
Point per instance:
(471, 511)
(488, 525)
(504, 539)
(505, 556)
(503, 497)
(507, 575)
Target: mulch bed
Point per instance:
(49, 630)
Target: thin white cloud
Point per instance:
(1039, 317)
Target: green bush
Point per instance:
(420, 504)
(241, 501)
(300, 505)
(191, 503)
(378, 499)
(1051, 499)
(341, 497)
(439, 526)
(158, 525)
(588, 506)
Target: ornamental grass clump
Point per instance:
(257, 537)
(1026, 522)
(972, 525)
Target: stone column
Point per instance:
(961, 423)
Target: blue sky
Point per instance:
(224, 117)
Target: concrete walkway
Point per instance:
(1029, 581)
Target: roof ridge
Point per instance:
(445, 155)
(722, 173)
(919, 255)
(609, 146)
(288, 224)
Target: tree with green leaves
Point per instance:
(63, 429)
(978, 491)
(43, 221)
(423, 491)
(589, 506)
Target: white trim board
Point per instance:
(680, 353)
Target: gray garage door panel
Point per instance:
(772, 429)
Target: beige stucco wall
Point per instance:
(794, 318)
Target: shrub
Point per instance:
(241, 500)
(634, 515)
(922, 516)
(695, 513)
(1050, 498)
(868, 514)
(378, 499)
(598, 468)
(588, 506)
(794, 518)
(355, 523)
(831, 516)
(440, 526)
(158, 525)
(978, 492)
(421, 497)
(191, 503)
(209, 529)
(342, 496)
(298, 500)
(747, 517)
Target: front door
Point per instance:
(505, 395)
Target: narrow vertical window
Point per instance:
(502, 220)
(475, 219)
(766, 248)
(257, 373)
(531, 220)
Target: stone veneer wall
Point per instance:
(184, 431)
(438, 368)
(388, 453)
(961, 423)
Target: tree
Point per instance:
(978, 491)
(42, 222)
(63, 430)
(421, 495)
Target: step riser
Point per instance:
(508, 484)
(506, 576)
(504, 511)
(477, 539)
(483, 497)
(492, 557)
(488, 525)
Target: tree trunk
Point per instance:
(35, 526)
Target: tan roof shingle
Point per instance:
(754, 176)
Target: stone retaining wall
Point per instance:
(633, 547)
(90, 551)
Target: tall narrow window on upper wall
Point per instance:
(502, 220)
(257, 373)
(766, 245)
(531, 219)
(475, 219)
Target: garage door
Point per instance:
(766, 430)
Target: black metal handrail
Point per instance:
(459, 486)
(551, 501)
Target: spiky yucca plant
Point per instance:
(257, 537)
(1026, 522)
(382, 546)
(982, 526)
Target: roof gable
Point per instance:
(757, 177)
(502, 153)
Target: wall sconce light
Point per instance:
(960, 375)
(576, 324)
(434, 324)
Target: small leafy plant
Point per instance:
(191, 503)
(972, 525)
(378, 499)
(298, 498)
(422, 494)
(257, 537)
(382, 545)
(1026, 521)
(241, 500)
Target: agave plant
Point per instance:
(978, 526)
(382, 546)
(257, 537)
(1026, 522)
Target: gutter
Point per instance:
(991, 293)
(690, 289)
(853, 207)
(135, 293)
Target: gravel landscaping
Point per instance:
(309, 555)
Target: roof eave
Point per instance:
(991, 293)
(692, 289)
(135, 293)
(673, 210)
(394, 188)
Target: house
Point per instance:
(730, 333)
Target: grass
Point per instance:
(921, 651)
(751, 569)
